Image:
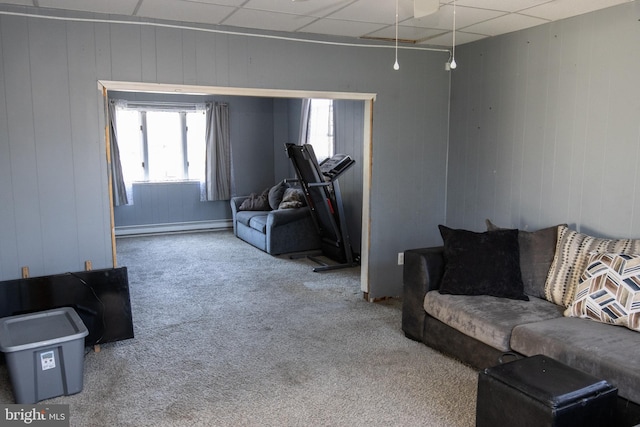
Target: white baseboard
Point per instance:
(131, 230)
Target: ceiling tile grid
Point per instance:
(373, 19)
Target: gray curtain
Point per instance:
(218, 153)
(117, 180)
(305, 114)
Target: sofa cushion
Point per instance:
(259, 223)
(485, 318)
(537, 249)
(571, 259)
(482, 263)
(275, 194)
(602, 350)
(256, 202)
(609, 291)
(244, 217)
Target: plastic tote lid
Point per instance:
(40, 329)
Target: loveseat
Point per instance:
(276, 221)
(489, 296)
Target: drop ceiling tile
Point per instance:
(561, 9)
(317, 8)
(505, 24)
(446, 40)
(117, 7)
(340, 27)
(443, 20)
(378, 11)
(406, 33)
(234, 3)
(187, 11)
(503, 5)
(20, 2)
(267, 20)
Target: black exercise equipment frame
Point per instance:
(321, 189)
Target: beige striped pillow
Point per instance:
(571, 258)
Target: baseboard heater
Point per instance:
(132, 230)
(100, 297)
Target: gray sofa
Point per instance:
(277, 231)
(483, 330)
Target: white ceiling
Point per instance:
(475, 19)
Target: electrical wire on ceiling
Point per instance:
(218, 31)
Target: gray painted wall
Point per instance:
(168, 203)
(54, 211)
(349, 140)
(285, 113)
(544, 127)
(54, 207)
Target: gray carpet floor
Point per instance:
(226, 335)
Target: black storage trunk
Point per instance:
(538, 391)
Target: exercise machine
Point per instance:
(321, 189)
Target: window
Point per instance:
(159, 145)
(166, 160)
(320, 128)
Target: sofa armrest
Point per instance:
(235, 205)
(291, 230)
(236, 202)
(422, 272)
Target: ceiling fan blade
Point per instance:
(425, 7)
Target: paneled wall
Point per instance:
(163, 203)
(544, 127)
(286, 118)
(349, 140)
(54, 207)
(54, 211)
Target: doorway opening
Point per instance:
(367, 99)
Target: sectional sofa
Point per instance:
(485, 297)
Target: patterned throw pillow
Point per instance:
(571, 259)
(609, 291)
(292, 198)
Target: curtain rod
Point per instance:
(159, 105)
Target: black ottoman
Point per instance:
(538, 391)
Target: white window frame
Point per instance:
(182, 110)
(325, 143)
